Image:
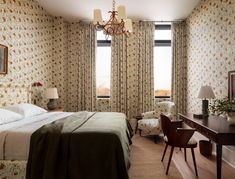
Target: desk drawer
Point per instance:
(204, 131)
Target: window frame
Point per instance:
(162, 43)
(103, 43)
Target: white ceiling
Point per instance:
(154, 10)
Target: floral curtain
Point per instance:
(179, 66)
(145, 61)
(132, 89)
(82, 68)
(119, 79)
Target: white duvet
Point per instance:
(15, 136)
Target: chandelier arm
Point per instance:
(112, 26)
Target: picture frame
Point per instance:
(3, 59)
(231, 85)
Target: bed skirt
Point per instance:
(13, 169)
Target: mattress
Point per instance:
(15, 136)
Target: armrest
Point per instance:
(148, 115)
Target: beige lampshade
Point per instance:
(51, 93)
(97, 16)
(128, 25)
(121, 12)
(206, 92)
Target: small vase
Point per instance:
(231, 118)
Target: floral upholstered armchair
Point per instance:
(150, 122)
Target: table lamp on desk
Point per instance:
(205, 93)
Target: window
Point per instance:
(162, 61)
(103, 66)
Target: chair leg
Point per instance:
(185, 155)
(194, 161)
(164, 152)
(169, 162)
(140, 132)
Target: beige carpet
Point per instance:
(146, 160)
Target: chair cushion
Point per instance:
(149, 126)
(191, 143)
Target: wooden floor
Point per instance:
(206, 166)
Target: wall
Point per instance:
(211, 44)
(34, 48)
(60, 60)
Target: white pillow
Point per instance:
(9, 116)
(26, 110)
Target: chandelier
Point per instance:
(118, 23)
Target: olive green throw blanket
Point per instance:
(85, 145)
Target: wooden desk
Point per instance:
(215, 128)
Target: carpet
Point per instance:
(146, 160)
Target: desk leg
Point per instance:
(219, 159)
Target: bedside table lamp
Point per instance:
(205, 93)
(52, 95)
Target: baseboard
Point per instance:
(231, 154)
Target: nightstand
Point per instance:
(137, 119)
(56, 110)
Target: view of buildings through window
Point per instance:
(103, 65)
(162, 61)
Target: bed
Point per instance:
(95, 146)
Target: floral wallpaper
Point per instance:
(35, 45)
(60, 60)
(210, 53)
(210, 48)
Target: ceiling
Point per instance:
(153, 10)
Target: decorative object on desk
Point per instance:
(52, 95)
(221, 106)
(205, 93)
(3, 59)
(231, 118)
(37, 92)
(224, 107)
(118, 23)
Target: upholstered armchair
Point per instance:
(150, 122)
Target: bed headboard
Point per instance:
(14, 94)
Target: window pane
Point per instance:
(162, 71)
(162, 35)
(101, 36)
(103, 69)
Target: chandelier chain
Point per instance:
(114, 4)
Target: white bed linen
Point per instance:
(15, 136)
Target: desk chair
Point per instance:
(176, 136)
